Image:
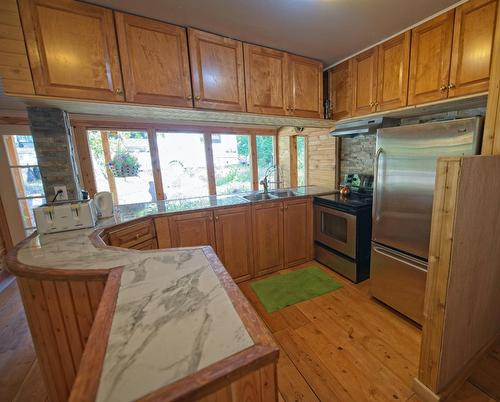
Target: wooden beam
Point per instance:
(107, 158)
(155, 164)
(255, 170)
(209, 156)
(293, 161)
(491, 135)
(85, 159)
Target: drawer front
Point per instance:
(150, 244)
(132, 235)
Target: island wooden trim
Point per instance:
(89, 372)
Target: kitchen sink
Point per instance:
(259, 197)
(283, 193)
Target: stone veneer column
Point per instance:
(52, 136)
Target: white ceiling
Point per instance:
(328, 30)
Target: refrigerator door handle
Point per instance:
(375, 196)
(394, 256)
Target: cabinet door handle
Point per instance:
(216, 218)
(443, 88)
(451, 86)
(119, 91)
(197, 97)
(189, 97)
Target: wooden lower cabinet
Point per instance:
(132, 235)
(192, 229)
(297, 233)
(233, 235)
(267, 222)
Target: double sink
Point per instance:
(270, 195)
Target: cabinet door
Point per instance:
(340, 90)
(267, 224)
(217, 71)
(265, 80)
(472, 47)
(430, 59)
(364, 82)
(72, 49)
(305, 87)
(192, 229)
(297, 231)
(233, 235)
(393, 67)
(155, 61)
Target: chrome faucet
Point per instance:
(276, 170)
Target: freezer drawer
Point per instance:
(398, 280)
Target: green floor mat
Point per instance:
(280, 291)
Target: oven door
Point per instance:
(335, 229)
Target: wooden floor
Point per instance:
(345, 346)
(342, 346)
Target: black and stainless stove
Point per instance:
(342, 228)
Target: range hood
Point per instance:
(363, 126)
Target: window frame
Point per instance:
(84, 157)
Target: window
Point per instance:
(23, 165)
(301, 160)
(232, 163)
(122, 164)
(266, 157)
(183, 164)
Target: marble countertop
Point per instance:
(173, 317)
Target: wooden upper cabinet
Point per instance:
(340, 90)
(472, 47)
(305, 87)
(267, 226)
(393, 67)
(155, 61)
(364, 82)
(72, 49)
(233, 234)
(192, 229)
(297, 233)
(217, 71)
(430, 59)
(265, 80)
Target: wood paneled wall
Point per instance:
(14, 66)
(322, 155)
(60, 315)
(461, 313)
(5, 240)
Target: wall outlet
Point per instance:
(63, 195)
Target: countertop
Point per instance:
(172, 317)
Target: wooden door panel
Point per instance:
(364, 82)
(430, 59)
(233, 234)
(340, 90)
(267, 224)
(393, 69)
(217, 71)
(192, 229)
(297, 231)
(472, 47)
(265, 80)
(306, 86)
(155, 61)
(72, 49)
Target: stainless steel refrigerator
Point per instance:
(405, 170)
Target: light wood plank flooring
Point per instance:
(343, 346)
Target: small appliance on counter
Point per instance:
(104, 204)
(342, 227)
(63, 216)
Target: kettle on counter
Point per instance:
(103, 202)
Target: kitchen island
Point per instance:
(116, 324)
